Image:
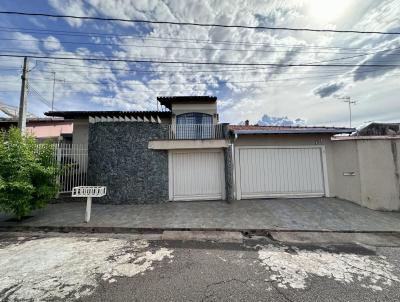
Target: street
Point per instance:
(72, 267)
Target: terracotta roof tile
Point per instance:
(255, 129)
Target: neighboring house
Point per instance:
(379, 129)
(183, 153)
(53, 129)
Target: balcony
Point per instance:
(196, 131)
(193, 136)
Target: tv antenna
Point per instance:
(350, 102)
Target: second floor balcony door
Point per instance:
(194, 125)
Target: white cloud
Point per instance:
(73, 8)
(267, 120)
(52, 43)
(243, 93)
(24, 42)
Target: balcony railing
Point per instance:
(196, 131)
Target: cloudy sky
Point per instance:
(308, 94)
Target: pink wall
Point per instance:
(49, 130)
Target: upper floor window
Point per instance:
(194, 125)
(194, 118)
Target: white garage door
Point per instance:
(280, 172)
(196, 175)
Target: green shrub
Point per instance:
(27, 173)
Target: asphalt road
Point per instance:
(256, 270)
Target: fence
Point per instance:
(195, 131)
(73, 160)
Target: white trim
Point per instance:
(196, 150)
(280, 147)
(198, 197)
(277, 195)
(170, 177)
(233, 166)
(187, 144)
(238, 188)
(223, 178)
(237, 185)
(325, 170)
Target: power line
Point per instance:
(195, 23)
(224, 81)
(34, 91)
(178, 47)
(183, 83)
(320, 74)
(194, 62)
(6, 91)
(252, 69)
(151, 71)
(40, 97)
(162, 60)
(221, 81)
(31, 54)
(357, 56)
(175, 40)
(218, 72)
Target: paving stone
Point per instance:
(306, 214)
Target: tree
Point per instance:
(27, 173)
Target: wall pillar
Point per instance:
(229, 185)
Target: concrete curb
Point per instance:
(128, 230)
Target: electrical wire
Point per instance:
(35, 56)
(181, 48)
(175, 40)
(195, 23)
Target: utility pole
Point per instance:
(23, 97)
(54, 86)
(348, 100)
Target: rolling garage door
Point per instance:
(280, 171)
(196, 175)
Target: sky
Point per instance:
(285, 95)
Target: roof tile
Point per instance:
(256, 129)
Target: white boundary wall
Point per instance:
(367, 171)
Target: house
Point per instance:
(43, 129)
(379, 129)
(183, 153)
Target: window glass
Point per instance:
(194, 118)
(194, 125)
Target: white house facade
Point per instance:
(183, 153)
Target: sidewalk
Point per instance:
(312, 214)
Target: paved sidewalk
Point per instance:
(312, 214)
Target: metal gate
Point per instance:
(196, 175)
(281, 171)
(72, 159)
